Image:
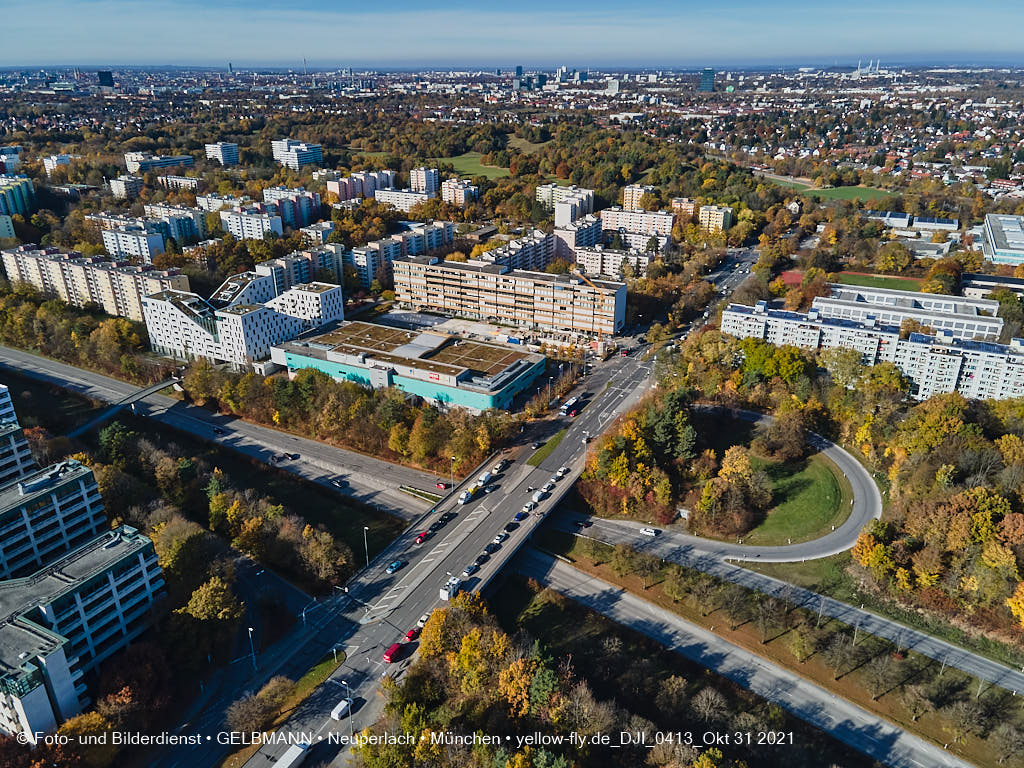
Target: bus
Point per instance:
(568, 405)
(293, 756)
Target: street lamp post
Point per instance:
(366, 545)
(348, 693)
(252, 649)
(453, 472)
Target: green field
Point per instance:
(832, 193)
(879, 281)
(469, 165)
(524, 146)
(366, 152)
(810, 497)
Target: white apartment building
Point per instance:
(6, 227)
(140, 162)
(609, 262)
(530, 252)
(224, 152)
(933, 364)
(180, 182)
(7, 405)
(374, 259)
(78, 280)
(15, 456)
(312, 304)
(631, 195)
(641, 222)
(213, 202)
(582, 233)
(361, 184)
(318, 233)
(684, 207)
(133, 241)
(638, 241)
(497, 293)
(184, 224)
(251, 222)
(424, 180)
(549, 194)
(458, 191)
(965, 318)
(53, 162)
(402, 199)
(296, 154)
(60, 623)
(302, 267)
(715, 218)
(126, 187)
(297, 207)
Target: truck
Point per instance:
(484, 479)
(451, 588)
(293, 756)
(466, 495)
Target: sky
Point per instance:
(484, 33)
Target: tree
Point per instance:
(95, 729)
(215, 601)
(1016, 603)
(676, 585)
(709, 705)
(916, 701)
(893, 257)
(836, 653)
(736, 602)
(1007, 741)
(800, 645)
(623, 560)
(671, 696)
(647, 568)
(879, 675)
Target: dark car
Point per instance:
(292, 456)
(536, 445)
(219, 431)
(509, 527)
(491, 548)
(446, 517)
(482, 558)
(435, 526)
(582, 523)
(520, 516)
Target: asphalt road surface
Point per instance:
(847, 722)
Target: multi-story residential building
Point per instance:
(933, 364)
(402, 199)
(10, 158)
(61, 622)
(440, 368)
(361, 184)
(322, 263)
(238, 330)
(530, 252)
(46, 514)
(609, 262)
(458, 191)
(632, 194)
(139, 241)
(213, 202)
(17, 195)
(965, 318)
(7, 405)
(126, 187)
(373, 260)
(78, 280)
(549, 194)
(140, 162)
(15, 456)
(318, 233)
(297, 207)
(224, 152)
(190, 183)
(6, 227)
(252, 222)
(572, 207)
(582, 233)
(424, 180)
(641, 222)
(978, 286)
(684, 208)
(53, 162)
(184, 224)
(715, 218)
(1002, 241)
(296, 154)
(638, 241)
(496, 293)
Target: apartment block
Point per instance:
(715, 218)
(978, 286)
(933, 364)
(17, 195)
(374, 259)
(530, 252)
(304, 266)
(224, 152)
(297, 207)
(402, 199)
(252, 222)
(140, 162)
(133, 241)
(610, 262)
(424, 180)
(549, 194)
(53, 162)
(10, 158)
(15, 456)
(318, 233)
(1002, 240)
(180, 182)
(213, 202)
(296, 154)
(497, 293)
(640, 222)
(126, 187)
(964, 318)
(62, 621)
(458, 191)
(184, 224)
(632, 194)
(6, 227)
(684, 208)
(79, 280)
(361, 184)
(582, 233)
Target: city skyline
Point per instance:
(651, 33)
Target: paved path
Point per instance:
(844, 720)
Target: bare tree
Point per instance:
(916, 701)
(836, 653)
(879, 675)
(703, 593)
(709, 705)
(1007, 741)
(671, 696)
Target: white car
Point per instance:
(470, 570)
(554, 479)
(343, 708)
(548, 487)
(562, 471)
(652, 532)
(423, 620)
(529, 506)
(500, 537)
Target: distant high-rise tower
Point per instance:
(230, 68)
(106, 78)
(707, 80)
(519, 71)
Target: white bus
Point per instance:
(293, 757)
(568, 405)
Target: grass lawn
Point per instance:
(545, 450)
(366, 152)
(879, 281)
(832, 193)
(469, 165)
(810, 497)
(526, 147)
(851, 685)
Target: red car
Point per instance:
(412, 634)
(441, 484)
(573, 412)
(422, 536)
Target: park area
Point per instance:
(877, 281)
(469, 164)
(829, 193)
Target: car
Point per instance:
(396, 566)
(529, 506)
(573, 412)
(491, 548)
(435, 527)
(548, 487)
(219, 431)
(441, 484)
(535, 445)
(413, 633)
(520, 516)
(625, 353)
(465, 496)
(499, 467)
(510, 526)
(562, 471)
(652, 532)
(422, 536)
(482, 558)
(582, 523)
(445, 517)
(292, 456)
(490, 489)
(499, 538)
(342, 708)
(337, 482)
(469, 570)
(421, 622)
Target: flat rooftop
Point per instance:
(1006, 233)
(40, 483)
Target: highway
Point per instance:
(844, 720)
(372, 481)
